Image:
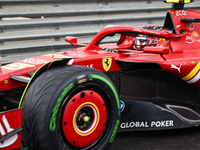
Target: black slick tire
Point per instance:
(70, 107)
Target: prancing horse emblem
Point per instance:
(106, 62)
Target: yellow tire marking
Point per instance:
(74, 118)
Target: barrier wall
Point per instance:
(34, 27)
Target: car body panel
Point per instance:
(160, 81)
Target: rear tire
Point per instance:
(70, 107)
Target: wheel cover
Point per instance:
(84, 118)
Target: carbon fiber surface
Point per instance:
(185, 139)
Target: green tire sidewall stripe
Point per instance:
(58, 102)
(69, 87)
(117, 99)
(114, 131)
(108, 83)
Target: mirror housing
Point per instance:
(71, 39)
(156, 50)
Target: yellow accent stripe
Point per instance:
(172, 1)
(54, 56)
(192, 73)
(74, 118)
(177, 1)
(187, 1)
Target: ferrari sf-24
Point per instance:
(146, 78)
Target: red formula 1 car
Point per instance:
(74, 99)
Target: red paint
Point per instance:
(76, 134)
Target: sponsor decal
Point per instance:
(35, 61)
(17, 66)
(52, 125)
(151, 31)
(10, 140)
(5, 81)
(114, 132)
(75, 55)
(122, 105)
(178, 26)
(161, 39)
(137, 30)
(107, 62)
(145, 124)
(9, 122)
(189, 39)
(90, 66)
(102, 52)
(178, 68)
(57, 56)
(82, 79)
(180, 13)
(144, 54)
(190, 25)
(70, 62)
(160, 45)
(195, 33)
(128, 42)
(193, 76)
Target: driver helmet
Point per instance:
(144, 40)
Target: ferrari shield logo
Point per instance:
(106, 62)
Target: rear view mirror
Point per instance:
(71, 39)
(156, 50)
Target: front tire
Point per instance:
(70, 107)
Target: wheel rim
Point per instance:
(84, 118)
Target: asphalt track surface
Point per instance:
(181, 139)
